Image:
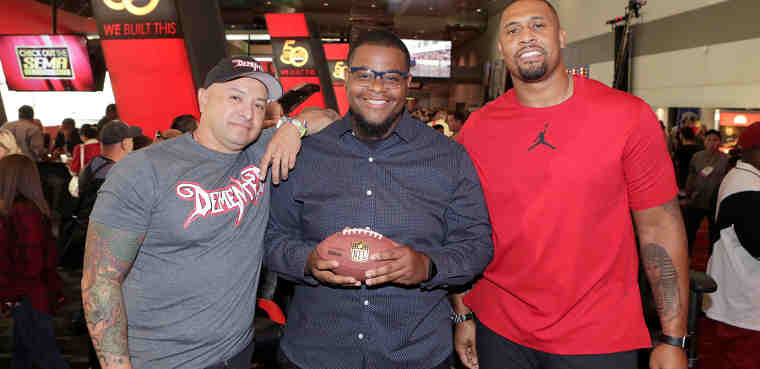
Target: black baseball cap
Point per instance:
(238, 66)
(116, 131)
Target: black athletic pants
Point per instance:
(497, 352)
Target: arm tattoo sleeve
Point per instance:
(663, 277)
(109, 254)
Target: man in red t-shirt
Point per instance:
(584, 163)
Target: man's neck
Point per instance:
(114, 155)
(551, 91)
(205, 138)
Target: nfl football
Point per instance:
(352, 247)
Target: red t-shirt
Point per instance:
(91, 150)
(559, 183)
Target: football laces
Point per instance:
(363, 231)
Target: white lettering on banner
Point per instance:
(247, 63)
(235, 196)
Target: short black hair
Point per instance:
(141, 141)
(714, 132)
(111, 108)
(380, 38)
(185, 123)
(89, 131)
(69, 122)
(25, 112)
(460, 116)
(551, 7)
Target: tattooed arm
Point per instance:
(665, 258)
(108, 257)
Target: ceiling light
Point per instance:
(373, 5)
(269, 3)
(325, 4)
(478, 10)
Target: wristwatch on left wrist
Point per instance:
(459, 318)
(300, 125)
(673, 341)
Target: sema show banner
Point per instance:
(46, 63)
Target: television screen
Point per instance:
(46, 63)
(430, 58)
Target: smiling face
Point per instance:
(376, 107)
(232, 114)
(712, 142)
(531, 40)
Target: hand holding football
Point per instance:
(352, 248)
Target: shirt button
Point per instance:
(369, 192)
(366, 302)
(360, 336)
(371, 159)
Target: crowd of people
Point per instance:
(511, 251)
(30, 252)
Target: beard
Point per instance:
(533, 72)
(372, 130)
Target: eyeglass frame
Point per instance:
(404, 75)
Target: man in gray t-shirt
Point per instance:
(706, 171)
(174, 243)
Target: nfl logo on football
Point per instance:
(359, 252)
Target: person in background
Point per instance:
(29, 283)
(82, 137)
(91, 148)
(734, 309)
(706, 171)
(184, 123)
(66, 139)
(111, 114)
(686, 149)
(274, 113)
(456, 121)
(28, 133)
(8, 144)
(141, 141)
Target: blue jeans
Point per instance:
(34, 339)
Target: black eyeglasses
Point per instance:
(364, 76)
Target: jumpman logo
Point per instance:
(541, 139)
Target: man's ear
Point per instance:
(562, 37)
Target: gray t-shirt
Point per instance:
(191, 294)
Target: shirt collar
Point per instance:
(746, 166)
(404, 129)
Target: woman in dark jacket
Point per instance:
(29, 283)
